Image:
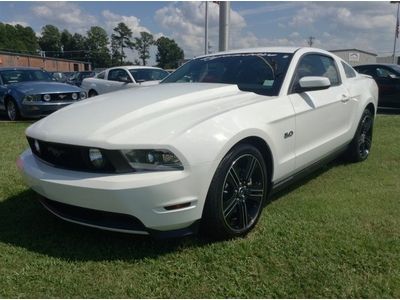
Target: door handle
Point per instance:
(345, 98)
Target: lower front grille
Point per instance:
(94, 217)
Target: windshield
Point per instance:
(395, 68)
(141, 75)
(15, 76)
(262, 73)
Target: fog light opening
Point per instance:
(177, 206)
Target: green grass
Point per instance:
(335, 234)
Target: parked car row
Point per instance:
(32, 92)
(119, 78)
(74, 78)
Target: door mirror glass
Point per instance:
(125, 79)
(313, 83)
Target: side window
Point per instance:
(119, 75)
(159, 74)
(349, 71)
(367, 71)
(384, 73)
(317, 65)
(101, 75)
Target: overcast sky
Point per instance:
(365, 25)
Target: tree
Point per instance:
(169, 53)
(116, 56)
(50, 41)
(142, 45)
(66, 41)
(18, 38)
(78, 47)
(97, 44)
(121, 39)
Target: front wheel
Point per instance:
(92, 93)
(360, 146)
(12, 111)
(237, 194)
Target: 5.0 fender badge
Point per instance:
(288, 134)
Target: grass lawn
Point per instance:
(335, 234)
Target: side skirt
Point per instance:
(283, 183)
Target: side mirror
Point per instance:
(125, 79)
(313, 83)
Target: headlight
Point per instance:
(46, 97)
(74, 96)
(96, 158)
(83, 95)
(152, 160)
(31, 98)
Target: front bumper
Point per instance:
(142, 196)
(41, 109)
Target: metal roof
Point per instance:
(353, 49)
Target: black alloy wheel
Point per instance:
(237, 193)
(360, 147)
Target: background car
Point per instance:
(118, 78)
(59, 76)
(206, 146)
(78, 77)
(31, 92)
(387, 76)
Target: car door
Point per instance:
(119, 79)
(322, 116)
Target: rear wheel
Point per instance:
(12, 110)
(360, 146)
(237, 194)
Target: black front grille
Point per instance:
(62, 97)
(94, 217)
(77, 157)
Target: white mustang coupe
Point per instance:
(203, 149)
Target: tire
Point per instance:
(12, 110)
(360, 146)
(92, 93)
(236, 195)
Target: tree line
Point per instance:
(95, 46)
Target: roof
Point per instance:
(134, 67)
(355, 50)
(377, 64)
(38, 56)
(256, 50)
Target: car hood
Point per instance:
(43, 87)
(149, 115)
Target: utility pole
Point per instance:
(396, 32)
(224, 16)
(310, 41)
(206, 30)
